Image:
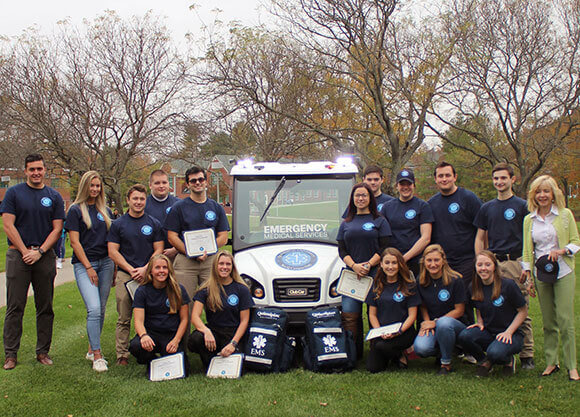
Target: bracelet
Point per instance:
(143, 335)
(234, 343)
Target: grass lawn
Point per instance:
(71, 388)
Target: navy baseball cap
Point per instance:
(406, 175)
(546, 270)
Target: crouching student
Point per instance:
(442, 306)
(227, 301)
(160, 311)
(393, 299)
(500, 310)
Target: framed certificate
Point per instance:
(167, 367)
(199, 241)
(230, 367)
(349, 284)
(132, 286)
(388, 329)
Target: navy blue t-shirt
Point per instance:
(498, 314)
(504, 222)
(93, 240)
(35, 210)
(361, 236)
(156, 305)
(453, 228)
(136, 236)
(440, 299)
(392, 306)
(159, 210)
(237, 298)
(186, 215)
(405, 219)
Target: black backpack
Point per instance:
(268, 349)
(327, 346)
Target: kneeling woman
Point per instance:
(227, 302)
(160, 311)
(500, 309)
(393, 299)
(442, 305)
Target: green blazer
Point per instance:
(566, 230)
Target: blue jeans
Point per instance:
(446, 331)
(95, 297)
(476, 341)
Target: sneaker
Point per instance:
(527, 363)
(122, 361)
(510, 368)
(100, 365)
(90, 356)
(59, 263)
(444, 370)
(469, 359)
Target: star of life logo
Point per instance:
(258, 343)
(330, 344)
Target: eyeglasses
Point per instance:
(196, 180)
(361, 196)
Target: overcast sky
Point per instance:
(17, 15)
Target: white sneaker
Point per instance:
(100, 365)
(469, 359)
(59, 264)
(90, 356)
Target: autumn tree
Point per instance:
(96, 97)
(517, 65)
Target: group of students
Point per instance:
(481, 256)
(435, 285)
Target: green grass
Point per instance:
(70, 387)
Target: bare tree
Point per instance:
(517, 64)
(97, 98)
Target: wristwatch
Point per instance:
(41, 251)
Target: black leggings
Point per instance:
(161, 339)
(383, 350)
(222, 335)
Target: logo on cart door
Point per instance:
(296, 259)
(258, 343)
(330, 344)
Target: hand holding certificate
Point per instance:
(384, 330)
(351, 285)
(198, 242)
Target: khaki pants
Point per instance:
(125, 309)
(513, 270)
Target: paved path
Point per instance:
(62, 276)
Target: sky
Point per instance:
(18, 15)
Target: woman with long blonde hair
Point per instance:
(88, 222)
(551, 234)
(227, 301)
(443, 304)
(160, 311)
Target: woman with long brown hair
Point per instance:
(226, 299)
(500, 311)
(393, 299)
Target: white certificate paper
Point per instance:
(199, 241)
(230, 367)
(350, 285)
(132, 287)
(167, 367)
(388, 329)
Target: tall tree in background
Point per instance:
(97, 97)
(517, 64)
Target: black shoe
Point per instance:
(483, 369)
(444, 370)
(527, 363)
(553, 371)
(510, 368)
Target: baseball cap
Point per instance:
(546, 270)
(406, 175)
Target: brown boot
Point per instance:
(350, 321)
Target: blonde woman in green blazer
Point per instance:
(550, 229)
